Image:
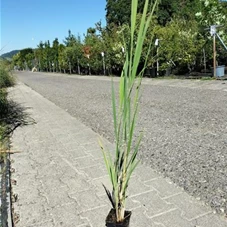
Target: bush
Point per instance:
(6, 80)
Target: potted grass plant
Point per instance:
(121, 165)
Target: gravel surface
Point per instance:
(185, 126)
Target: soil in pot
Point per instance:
(111, 220)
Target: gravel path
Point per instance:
(185, 126)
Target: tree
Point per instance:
(210, 12)
(70, 40)
(113, 44)
(62, 58)
(30, 60)
(93, 46)
(55, 49)
(39, 55)
(47, 56)
(24, 59)
(181, 43)
(118, 11)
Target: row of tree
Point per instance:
(179, 26)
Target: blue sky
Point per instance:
(24, 23)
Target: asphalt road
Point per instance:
(184, 125)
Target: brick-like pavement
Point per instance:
(60, 172)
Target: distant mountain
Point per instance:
(9, 54)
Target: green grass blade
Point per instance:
(134, 7)
(114, 108)
(140, 41)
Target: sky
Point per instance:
(24, 23)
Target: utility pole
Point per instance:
(213, 31)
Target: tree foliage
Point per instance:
(178, 24)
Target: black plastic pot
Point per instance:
(111, 219)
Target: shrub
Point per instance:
(6, 79)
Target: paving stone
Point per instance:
(65, 139)
(154, 205)
(29, 195)
(57, 196)
(95, 153)
(210, 220)
(58, 132)
(146, 173)
(92, 147)
(87, 200)
(99, 182)
(22, 168)
(67, 216)
(76, 184)
(52, 182)
(138, 218)
(136, 186)
(52, 148)
(94, 172)
(86, 162)
(132, 204)
(28, 181)
(74, 148)
(164, 187)
(190, 208)
(78, 129)
(99, 218)
(85, 225)
(71, 167)
(73, 155)
(31, 214)
(47, 223)
(172, 219)
(50, 170)
(87, 140)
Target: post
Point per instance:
(204, 60)
(214, 50)
(78, 65)
(157, 63)
(213, 33)
(49, 66)
(70, 69)
(39, 65)
(89, 69)
(157, 45)
(103, 62)
(104, 67)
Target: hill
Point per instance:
(10, 54)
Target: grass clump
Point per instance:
(121, 165)
(6, 80)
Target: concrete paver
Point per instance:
(60, 170)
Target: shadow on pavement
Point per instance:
(12, 116)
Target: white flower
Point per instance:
(198, 14)
(206, 3)
(221, 33)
